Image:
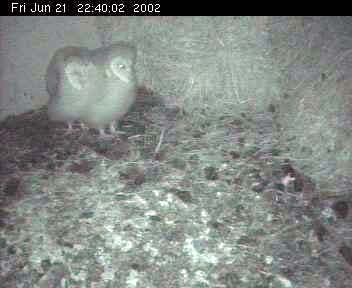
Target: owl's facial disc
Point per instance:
(121, 69)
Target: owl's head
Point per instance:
(122, 68)
(78, 71)
(118, 61)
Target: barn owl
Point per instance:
(67, 84)
(116, 73)
(96, 87)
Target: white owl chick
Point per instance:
(68, 84)
(115, 86)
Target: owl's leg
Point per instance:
(103, 135)
(83, 126)
(113, 129)
(70, 128)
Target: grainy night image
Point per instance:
(176, 152)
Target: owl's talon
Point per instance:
(103, 135)
(83, 126)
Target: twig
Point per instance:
(157, 149)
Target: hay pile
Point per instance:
(217, 66)
(314, 56)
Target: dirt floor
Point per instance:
(165, 204)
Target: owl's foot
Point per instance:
(113, 130)
(69, 129)
(103, 135)
(83, 126)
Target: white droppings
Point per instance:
(156, 192)
(269, 260)
(150, 249)
(204, 216)
(151, 213)
(132, 279)
(196, 257)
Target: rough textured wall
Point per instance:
(314, 56)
